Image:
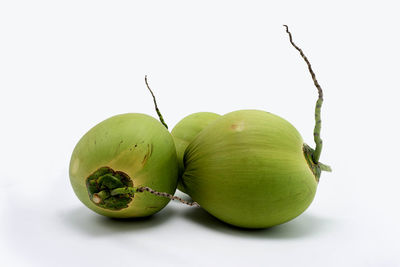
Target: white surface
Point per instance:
(67, 65)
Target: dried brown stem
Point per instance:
(155, 104)
(163, 194)
(317, 129)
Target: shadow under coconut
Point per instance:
(303, 226)
(94, 224)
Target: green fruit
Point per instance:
(248, 168)
(119, 156)
(186, 130)
(251, 169)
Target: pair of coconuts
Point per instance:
(248, 168)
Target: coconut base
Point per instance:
(110, 189)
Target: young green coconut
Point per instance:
(185, 131)
(125, 166)
(251, 169)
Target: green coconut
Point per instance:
(186, 130)
(249, 168)
(252, 169)
(120, 158)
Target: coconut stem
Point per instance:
(163, 194)
(155, 103)
(324, 167)
(317, 129)
(133, 190)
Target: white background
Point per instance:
(67, 65)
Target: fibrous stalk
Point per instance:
(317, 129)
(155, 104)
(163, 194)
(114, 190)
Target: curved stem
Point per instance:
(133, 190)
(317, 128)
(155, 104)
(163, 194)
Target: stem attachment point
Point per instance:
(108, 189)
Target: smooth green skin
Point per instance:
(186, 130)
(135, 144)
(248, 169)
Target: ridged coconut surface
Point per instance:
(248, 169)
